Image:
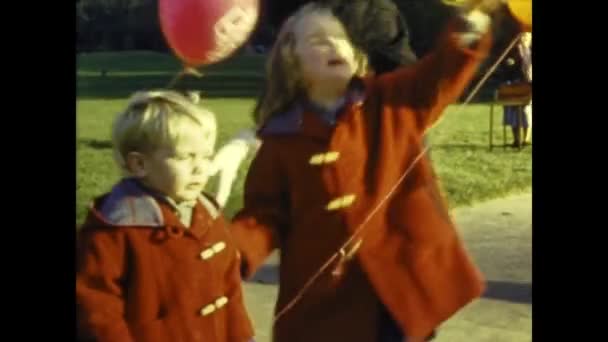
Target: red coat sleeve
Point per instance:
(257, 227)
(437, 80)
(99, 295)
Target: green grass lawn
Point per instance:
(468, 171)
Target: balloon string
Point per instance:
(490, 71)
(362, 226)
(185, 71)
(359, 229)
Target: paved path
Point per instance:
(499, 235)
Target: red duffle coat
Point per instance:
(142, 276)
(312, 185)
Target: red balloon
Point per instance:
(207, 31)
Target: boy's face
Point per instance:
(324, 51)
(179, 171)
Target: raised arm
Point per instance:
(439, 78)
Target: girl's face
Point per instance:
(324, 52)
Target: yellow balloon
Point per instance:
(522, 11)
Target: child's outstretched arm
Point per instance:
(439, 78)
(265, 214)
(99, 293)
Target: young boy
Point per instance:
(155, 261)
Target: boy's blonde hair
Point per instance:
(283, 77)
(154, 119)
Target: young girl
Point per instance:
(375, 27)
(155, 261)
(320, 188)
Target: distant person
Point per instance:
(526, 52)
(379, 29)
(518, 69)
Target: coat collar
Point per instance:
(304, 118)
(130, 204)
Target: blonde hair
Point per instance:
(154, 119)
(283, 76)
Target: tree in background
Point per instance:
(133, 24)
(118, 25)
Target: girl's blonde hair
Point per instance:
(283, 75)
(154, 119)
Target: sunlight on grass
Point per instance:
(468, 171)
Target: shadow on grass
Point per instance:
(226, 85)
(147, 61)
(235, 83)
(96, 144)
(509, 291)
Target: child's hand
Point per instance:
(477, 24)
